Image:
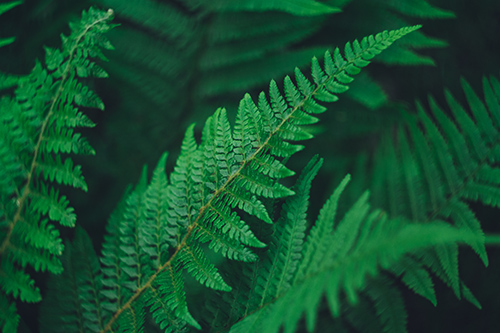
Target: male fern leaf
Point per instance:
(231, 169)
(36, 126)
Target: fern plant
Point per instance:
(160, 227)
(221, 191)
(336, 259)
(36, 132)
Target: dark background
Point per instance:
(126, 140)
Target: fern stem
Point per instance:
(221, 190)
(21, 201)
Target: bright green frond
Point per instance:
(47, 201)
(162, 225)
(40, 259)
(38, 234)
(229, 248)
(131, 250)
(289, 234)
(36, 127)
(110, 261)
(61, 172)
(229, 224)
(387, 244)
(155, 233)
(316, 242)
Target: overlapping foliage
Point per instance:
(37, 130)
(182, 59)
(436, 164)
(336, 261)
(159, 229)
(222, 189)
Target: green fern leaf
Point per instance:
(32, 135)
(288, 237)
(155, 233)
(203, 271)
(318, 243)
(62, 173)
(387, 243)
(229, 170)
(19, 284)
(47, 201)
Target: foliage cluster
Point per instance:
(227, 217)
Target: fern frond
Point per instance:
(290, 230)
(160, 229)
(279, 268)
(360, 245)
(441, 160)
(35, 126)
